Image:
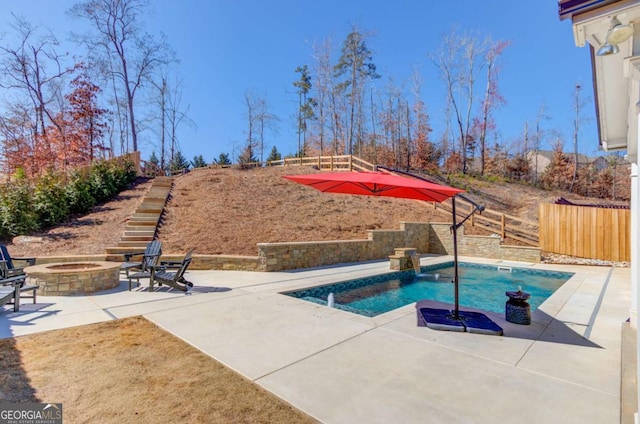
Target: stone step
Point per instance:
(144, 239)
(145, 216)
(162, 181)
(142, 223)
(139, 233)
(157, 209)
(139, 228)
(158, 191)
(151, 205)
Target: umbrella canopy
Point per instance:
(383, 184)
(376, 184)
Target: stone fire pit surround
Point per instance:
(74, 278)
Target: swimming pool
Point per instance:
(481, 287)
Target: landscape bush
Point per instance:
(27, 205)
(50, 204)
(17, 214)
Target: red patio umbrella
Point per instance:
(376, 184)
(389, 185)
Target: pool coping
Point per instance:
(550, 306)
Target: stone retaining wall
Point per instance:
(441, 242)
(425, 237)
(435, 238)
(379, 245)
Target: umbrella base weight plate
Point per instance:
(471, 322)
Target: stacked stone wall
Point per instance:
(426, 238)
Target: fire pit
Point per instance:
(71, 278)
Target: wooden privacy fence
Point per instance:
(586, 232)
(505, 225)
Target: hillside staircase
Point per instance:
(141, 227)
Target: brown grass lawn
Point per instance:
(130, 371)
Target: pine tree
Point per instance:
(198, 162)
(179, 162)
(559, 173)
(153, 165)
(247, 159)
(223, 160)
(306, 105)
(274, 155)
(356, 66)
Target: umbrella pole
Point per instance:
(454, 228)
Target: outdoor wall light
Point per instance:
(618, 33)
(607, 49)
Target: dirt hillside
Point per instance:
(229, 211)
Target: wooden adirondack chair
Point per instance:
(150, 257)
(15, 276)
(7, 267)
(10, 292)
(176, 280)
(21, 286)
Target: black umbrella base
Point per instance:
(471, 322)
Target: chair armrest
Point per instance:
(154, 268)
(6, 272)
(16, 281)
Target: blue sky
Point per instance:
(227, 47)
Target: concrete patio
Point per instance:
(343, 368)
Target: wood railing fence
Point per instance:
(505, 225)
(323, 163)
(586, 232)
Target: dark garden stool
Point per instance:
(517, 309)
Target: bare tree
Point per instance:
(578, 104)
(251, 102)
(266, 121)
(168, 99)
(456, 61)
(34, 69)
(537, 139)
(133, 55)
(177, 115)
(322, 68)
(492, 97)
(259, 119)
(330, 102)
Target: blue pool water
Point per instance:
(481, 286)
